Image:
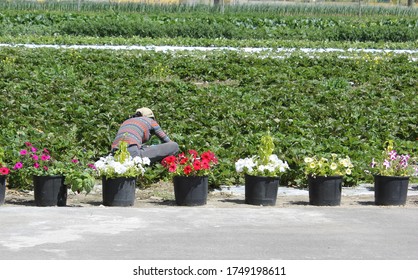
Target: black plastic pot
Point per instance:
(190, 190)
(325, 191)
(2, 189)
(261, 190)
(118, 191)
(50, 190)
(390, 190)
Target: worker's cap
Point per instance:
(145, 112)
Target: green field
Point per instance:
(73, 100)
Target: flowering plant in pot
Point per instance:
(390, 163)
(119, 173)
(391, 176)
(325, 177)
(262, 173)
(265, 163)
(47, 175)
(190, 172)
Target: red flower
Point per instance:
(167, 161)
(193, 153)
(197, 165)
(209, 156)
(187, 170)
(172, 168)
(184, 161)
(4, 170)
(205, 164)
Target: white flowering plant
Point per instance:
(333, 165)
(265, 163)
(121, 164)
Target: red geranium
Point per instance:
(190, 163)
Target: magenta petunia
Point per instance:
(45, 157)
(18, 165)
(23, 152)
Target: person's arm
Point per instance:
(159, 132)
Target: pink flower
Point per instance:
(28, 144)
(45, 168)
(23, 152)
(33, 149)
(91, 165)
(386, 164)
(45, 151)
(74, 160)
(35, 157)
(45, 157)
(18, 165)
(36, 165)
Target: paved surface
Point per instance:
(193, 233)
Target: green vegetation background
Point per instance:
(72, 101)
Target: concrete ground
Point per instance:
(195, 233)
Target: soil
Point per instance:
(162, 195)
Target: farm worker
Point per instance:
(137, 130)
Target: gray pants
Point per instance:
(155, 152)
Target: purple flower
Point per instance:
(386, 164)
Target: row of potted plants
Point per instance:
(190, 170)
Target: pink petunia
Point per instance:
(28, 144)
(35, 157)
(18, 165)
(36, 165)
(23, 152)
(45, 168)
(33, 149)
(45, 157)
(74, 160)
(91, 165)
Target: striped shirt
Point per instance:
(136, 131)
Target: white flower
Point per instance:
(308, 159)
